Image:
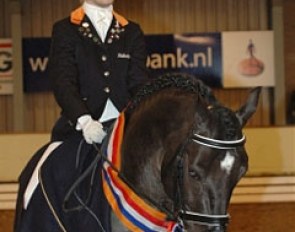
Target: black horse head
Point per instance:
(184, 151)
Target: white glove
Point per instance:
(92, 130)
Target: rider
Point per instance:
(97, 62)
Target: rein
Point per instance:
(82, 204)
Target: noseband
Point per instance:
(220, 221)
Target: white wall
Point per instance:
(271, 151)
(271, 175)
(15, 152)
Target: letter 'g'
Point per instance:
(5, 61)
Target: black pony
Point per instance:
(181, 155)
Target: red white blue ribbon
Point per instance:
(130, 208)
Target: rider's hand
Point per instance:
(92, 130)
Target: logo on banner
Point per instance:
(251, 66)
(248, 59)
(6, 66)
(198, 54)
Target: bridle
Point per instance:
(218, 144)
(214, 221)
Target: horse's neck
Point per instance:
(152, 134)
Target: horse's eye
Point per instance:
(193, 173)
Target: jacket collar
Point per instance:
(78, 14)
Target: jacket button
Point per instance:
(106, 73)
(103, 58)
(107, 89)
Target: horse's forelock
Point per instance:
(227, 120)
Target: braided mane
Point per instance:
(189, 83)
(182, 81)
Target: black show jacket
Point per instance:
(85, 72)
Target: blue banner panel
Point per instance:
(35, 59)
(198, 54)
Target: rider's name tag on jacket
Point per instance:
(123, 56)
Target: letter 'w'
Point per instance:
(38, 64)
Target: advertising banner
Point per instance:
(239, 59)
(6, 68)
(248, 59)
(198, 54)
(35, 60)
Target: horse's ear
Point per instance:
(247, 110)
